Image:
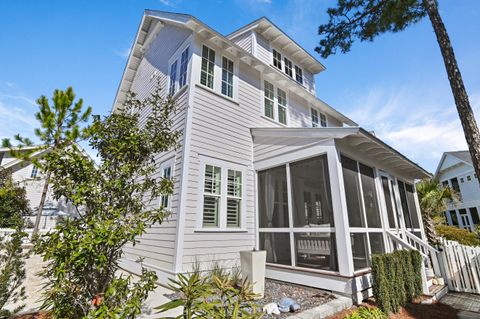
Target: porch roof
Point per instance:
(356, 137)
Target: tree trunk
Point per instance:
(429, 227)
(40, 206)
(464, 109)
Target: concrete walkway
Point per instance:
(468, 305)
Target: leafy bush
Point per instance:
(13, 200)
(463, 236)
(12, 269)
(367, 313)
(397, 278)
(217, 296)
(114, 200)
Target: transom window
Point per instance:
(182, 81)
(227, 77)
(318, 119)
(222, 197)
(208, 66)
(288, 67)
(298, 74)
(173, 78)
(277, 59)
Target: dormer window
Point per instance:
(298, 74)
(277, 59)
(288, 67)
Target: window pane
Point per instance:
(323, 120)
(269, 96)
(403, 199)
(352, 192)
(234, 187)
(475, 217)
(370, 197)
(272, 197)
(282, 106)
(164, 199)
(183, 68)
(376, 243)
(445, 184)
(412, 208)
(454, 218)
(277, 59)
(312, 203)
(314, 114)
(298, 75)
(227, 77)
(173, 78)
(233, 212)
(211, 207)
(388, 202)
(213, 178)
(277, 246)
(359, 251)
(208, 63)
(455, 185)
(288, 67)
(316, 250)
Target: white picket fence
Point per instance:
(462, 266)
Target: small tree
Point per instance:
(433, 201)
(13, 201)
(12, 269)
(114, 199)
(366, 19)
(59, 129)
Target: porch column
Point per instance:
(340, 215)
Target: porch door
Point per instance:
(465, 218)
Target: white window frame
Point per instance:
(183, 74)
(222, 217)
(177, 56)
(233, 77)
(274, 59)
(301, 82)
(168, 163)
(275, 103)
(214, 67)
(172, 77)
(288, 67)
(321, 118)
(34, 172)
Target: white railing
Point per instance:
(462, 266)
(5, 233)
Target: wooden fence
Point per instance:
(462, 266)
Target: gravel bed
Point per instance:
(306, 297)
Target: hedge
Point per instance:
(397, 279)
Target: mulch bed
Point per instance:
(35, 315)
(414, 310)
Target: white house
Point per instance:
(456, 170)
(263, 162)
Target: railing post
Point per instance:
(424, 279)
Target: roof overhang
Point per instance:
(357, 138)
(150, 25)
(280, 39)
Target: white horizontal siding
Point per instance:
(157, 246)
(263, 49)
(244, 41)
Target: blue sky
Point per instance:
(396, 86)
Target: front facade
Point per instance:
(264, 163)
(456, 171)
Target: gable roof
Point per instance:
(278, 37)
(151, 24)
(463, 156)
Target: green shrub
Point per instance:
(463, 236)
(397, 278)
(367, 313)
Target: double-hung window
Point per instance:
(182, 80)
(222, 197)
(277, 59)
(282, 106)
(318, 119)
(208, 66)
(269, 99)
(298, 74)
(288, 67)
(34, 172)
(173, 77)
(166, 174)
(227, 77)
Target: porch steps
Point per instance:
(436, 292)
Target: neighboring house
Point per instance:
(29, 176)
(456, 170)
(263, 163)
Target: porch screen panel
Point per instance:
(370, 196)
(411, 205)
(359, 250)
(388, 202)
(352, 192)
(474, 214)
(376, 243)
(311, 197)
(316, 250)
(403, 199)
(273, 197)
(277, 246)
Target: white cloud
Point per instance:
(170, 3)
(123, 53)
